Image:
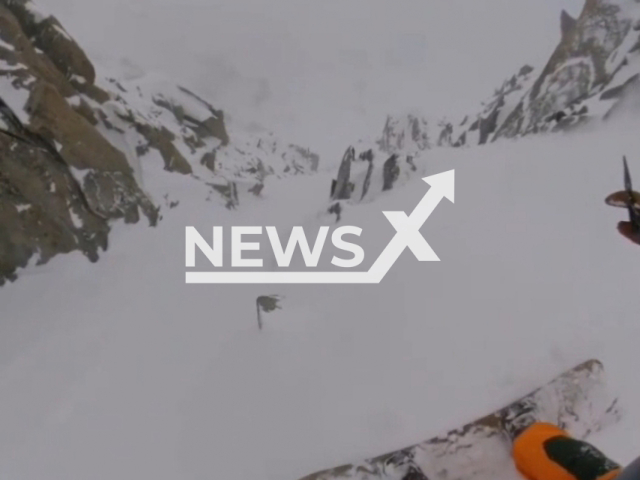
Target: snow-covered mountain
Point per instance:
(100, 129)
(75, 144)
(379, 164)
(591, 76)
(596, 63)
(120, 370)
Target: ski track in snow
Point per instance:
(120, 370)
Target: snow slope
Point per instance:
(120, 370)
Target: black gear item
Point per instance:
(634, 218)
(580, 459)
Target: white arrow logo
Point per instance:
(407, 236)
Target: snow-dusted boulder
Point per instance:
(407, 135)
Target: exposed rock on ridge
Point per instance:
(75, 143)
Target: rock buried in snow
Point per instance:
(267, 304)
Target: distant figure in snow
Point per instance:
(629, 199)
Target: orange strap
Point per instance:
(531, 458)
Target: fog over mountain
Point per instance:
(124, 125)
(304, 68)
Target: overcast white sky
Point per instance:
(324, 71)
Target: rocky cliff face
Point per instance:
(480, 128)
(597, 52)
(592, 75)
(594, 67)
(74, 143)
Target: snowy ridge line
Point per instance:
(407, 235)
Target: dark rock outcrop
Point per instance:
(73, 144)
(588, 76)
(567, 23)
(580, 67)
(367, 157)
(342, 187)
(391, 172)
(43, 210)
